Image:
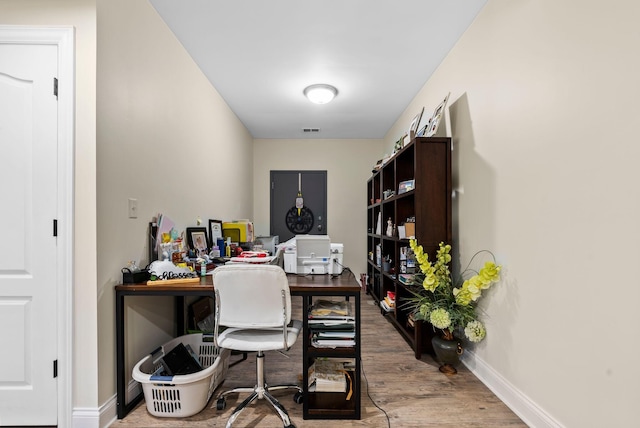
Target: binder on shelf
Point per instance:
(333, 343)
(331, 325)
(340, 334)
(333, 339)
(331, 310)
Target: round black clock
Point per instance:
(299, 223)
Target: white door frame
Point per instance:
(63, 38)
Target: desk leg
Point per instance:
(306, 342)
(357, 383)
(122, 407)
(120, 389)
(181, 323)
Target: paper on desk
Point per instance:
(165, 224)
(267, 259)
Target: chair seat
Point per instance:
(251, 340)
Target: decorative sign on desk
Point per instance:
(176, 281)
(166, 273)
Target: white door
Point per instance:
(28, 264)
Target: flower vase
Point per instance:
(448, 351)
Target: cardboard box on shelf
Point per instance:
(410, 230)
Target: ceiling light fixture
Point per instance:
(320, 93)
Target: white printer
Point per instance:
(312, 254)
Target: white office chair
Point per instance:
(254, 304)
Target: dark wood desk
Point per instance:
(306, 286)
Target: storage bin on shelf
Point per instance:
(182, 395)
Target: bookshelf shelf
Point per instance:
(331, 405)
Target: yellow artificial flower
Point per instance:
(423, 260)
(463, 297)
(443, 254)
(489, 274)
(430, 282)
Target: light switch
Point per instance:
(133, 208)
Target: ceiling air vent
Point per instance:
(310, 129)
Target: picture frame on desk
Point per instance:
(215, 231)
(197, 239)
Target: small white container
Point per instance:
(215, 251)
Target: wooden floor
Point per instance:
(397, 390)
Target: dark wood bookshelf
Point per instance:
(427, 161)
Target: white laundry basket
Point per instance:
(182, 395)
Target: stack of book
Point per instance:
(332, 324)
(331, 375)
(388, 303)
(390, 299)
(385, 306)
(406, 278)
(411, 320)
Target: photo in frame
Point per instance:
(438, 115)
(215, 231)
(423, 126)
(406, 186)
(197, 239)
(423, 130)
(413, 128)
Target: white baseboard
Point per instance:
(519, 403)
(86, 417)
(106, 414)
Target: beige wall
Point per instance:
(166, 138)
(543, 113)
(348, 164)
(80, 14)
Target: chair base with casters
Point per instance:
(259, 392)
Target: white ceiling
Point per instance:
(261, 54)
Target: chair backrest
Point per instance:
(252, 296)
